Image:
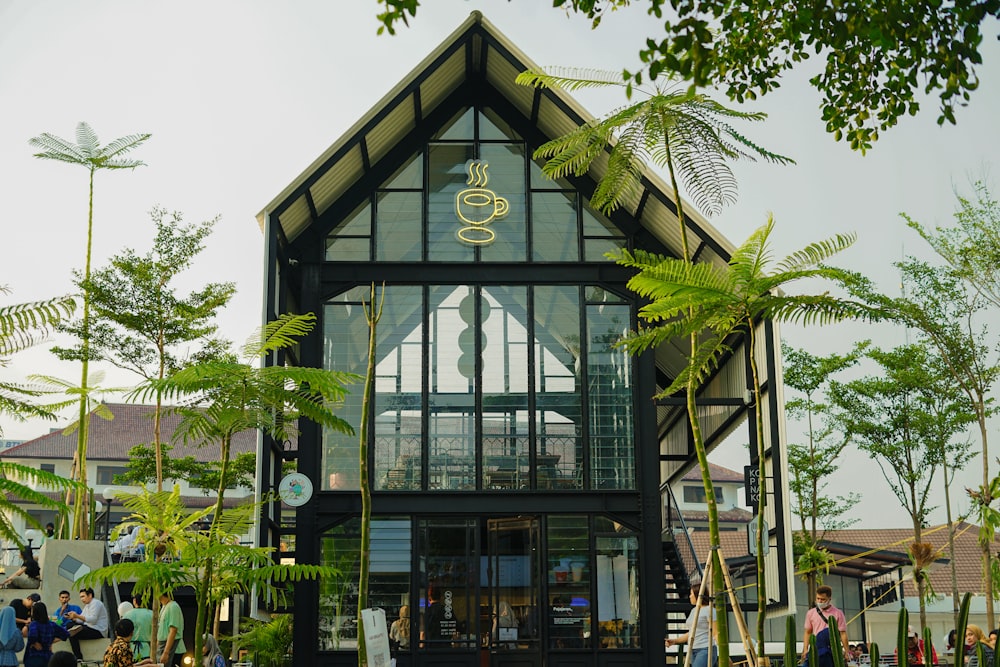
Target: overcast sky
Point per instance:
(241, 97)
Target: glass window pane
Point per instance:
(492, 126)
(597, 224)
(594, 249)
(460, 128)
(339, 244)
(447, 174)
(398, 227)
(451, 458)
(505, 180)
(449, 605)
(555, 236)
(504, 339)
(568, 568)
(618, 591)
(542, 182)
(388, 585)
(558, 416)
(408, 177)
(398, 387)
(610, 392)
(345, 348)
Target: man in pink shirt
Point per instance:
(818, 624)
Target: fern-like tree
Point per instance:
(220, 398)
(22, 326)
(900, 416)
(140, 323)
(690, 135)
(716, 302)
(812, 462)
(946, 314)
(88, 153)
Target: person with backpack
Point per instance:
(818, 625)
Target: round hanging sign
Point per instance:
(295, 489)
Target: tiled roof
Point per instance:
(717, 473)
(111, 440)
(968, 556)
(734, 515)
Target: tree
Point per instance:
(945, 308)
(22, 326)
(139, 320)
(811, 463)
(879, 57)
(88, 153)
(686, 133)
(227, 396)
(141, 469)
(900, 416)
(695, 300)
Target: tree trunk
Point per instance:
(372, 315)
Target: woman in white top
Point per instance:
(706, 624)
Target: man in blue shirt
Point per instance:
(65, 606)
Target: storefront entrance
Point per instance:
(481, 592)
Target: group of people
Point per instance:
(25, 625)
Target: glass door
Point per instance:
(513, 592)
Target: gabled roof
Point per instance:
(476, 50)
(111, 440)
(716, 472)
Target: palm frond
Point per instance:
(815, 253)
(121, 145)
(816, 309)
(56, 148)
(280, 333)
(86, 139)
(570, 79)
(23, 325)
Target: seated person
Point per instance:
(29, 575)
(92, 621)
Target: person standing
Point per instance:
(29, 575)
(818, 625)
(41, 633)
(399, 632)
(64, 607)
(92, 621)
(170, 632)
(142, 622)
(703, 632)
(11, 639)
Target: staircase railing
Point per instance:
(675, 524)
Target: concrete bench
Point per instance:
(92, 649)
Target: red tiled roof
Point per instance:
(111, 440)
(716, 472)
(968, 555)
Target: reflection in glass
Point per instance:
(568, 568)
(350, 240)
(609, 378)
(617, 588)
(504, 340)
(398, 386)
(388, 584)
(555, 235)
(557, 387)
(451, 432)
(447, 175)
(398, 226)
(449, 607)
(345, 348)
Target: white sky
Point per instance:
(241, 96)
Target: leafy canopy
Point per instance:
(878, 58)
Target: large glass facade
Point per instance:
(482, 388)
(474, 195)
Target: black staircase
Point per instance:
(676, 576)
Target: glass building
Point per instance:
(516, 460)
